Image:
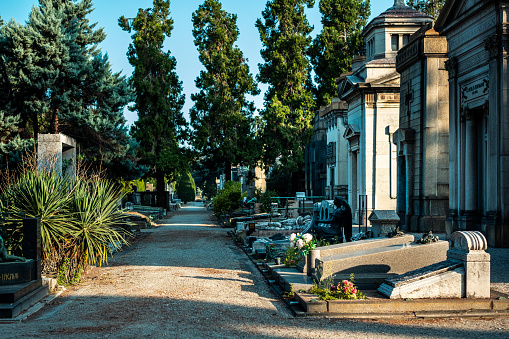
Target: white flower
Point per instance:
(300, 243)
(292, 244)
(308, 237)
(292, 237)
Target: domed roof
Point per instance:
(400, 10)
(398, 14)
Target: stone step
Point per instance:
(12, 293)
(394, 259)
(12, 310)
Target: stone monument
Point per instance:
(57, 152)
(465, 273)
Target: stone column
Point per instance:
(470, 162)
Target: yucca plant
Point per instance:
(95, 218)
(44, 195)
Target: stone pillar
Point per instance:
(469, 247)
(32, 245)
(470, 162)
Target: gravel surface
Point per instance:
(186, 279)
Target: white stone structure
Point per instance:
(478, 43)
(56, 152)
(371, 91)
(337, 149)
(423, 136)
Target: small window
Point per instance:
(395, 42)
(406, 38)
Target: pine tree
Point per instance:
(338, 42)
(430, 7)
(222, 116)
(161, 127)
(62, 83)
(289, 104)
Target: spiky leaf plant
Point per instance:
(44, 195)
(95, 217)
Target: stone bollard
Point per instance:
(469, 247)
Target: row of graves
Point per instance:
(399, 275)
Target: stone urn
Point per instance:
(306, 263)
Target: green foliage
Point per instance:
(186, 188)
(95, 213)
(343, 290)
(222, 116)
(228, 199)
(291, 256)
(430, 7)
(59, 81)
(289, 105)
(161, 126)
(280, 180)
(66, 275)
(265, 200)
(80, 218)
(339, 41)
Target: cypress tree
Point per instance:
(186, 188)
(289, 105)
(222, 115)
(161, 127)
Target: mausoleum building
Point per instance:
(371, 92)
(478, 42)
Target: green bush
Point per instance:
(265, 200)
(79, 218)
(186, 188)
(228, 199)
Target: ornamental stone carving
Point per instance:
(492, 45)
(451, 66)
(466, 241)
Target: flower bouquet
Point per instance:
(303, 242)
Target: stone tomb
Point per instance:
(465, 273)
(377, 259)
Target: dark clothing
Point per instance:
(341, 217)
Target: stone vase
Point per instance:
(311, 261)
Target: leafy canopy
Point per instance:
(289, 105)
(161, 126)
(339, 41)
(222, 116)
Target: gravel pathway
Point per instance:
(186, 279)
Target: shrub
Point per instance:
(228, 199)
(79, 218)
(186, 188)
(266, 201)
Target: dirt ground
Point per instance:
(186, 279)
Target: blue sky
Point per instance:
(180, 44)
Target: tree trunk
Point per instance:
(35, 121)
(160, 189)
(54, 123)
